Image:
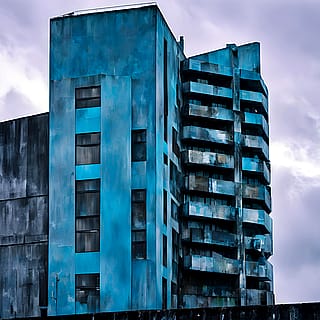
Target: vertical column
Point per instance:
(238, 171)
(115, 245)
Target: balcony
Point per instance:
(256, 165)
(199, 209)
(189, 301)
(261, 243)
(258, 143)
(259, 192)
(211, 112)
(217, 264)
(258, 120)
(200, 235)
(208, 135)
(209, 185)
(211, 68)
(262, 271)
(257, 297)
(255, 98)
(192, 87)
(206, 158)
(255, 79)
(258, 217)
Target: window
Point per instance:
(88, 97)
(175, 146)
(165, 207)
(138, 145)
(88, 290)
(138, 223)
(88, 148)
(88, 215)
(164, 293)
(175, 254)
(174, 210)
(164, 250)
(165, 159)
(174, 293)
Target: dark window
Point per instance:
(88, 215)
(174, 293)
(88, 148)
(175, 254)
(164, 293)
(174, 210)
(88, 290)
(138, 145)
(165, 159)
(174, 180)
(164, 250)
(138, 223)
(175, 146)
(165, 207)
(88, 97)
(165, 89)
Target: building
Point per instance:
(149, 181)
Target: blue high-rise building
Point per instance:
(157, 189)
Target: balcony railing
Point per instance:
(257, 297)
(199, 235)
(216, 263)
(207, 89)
(256, 78)
(190, 301)
(211, 112)
(256, 165)
(211, 159)
(254, 97)
(210, 185)
(257, 119)
(256, 142)
(199, 209)
(263, 271)
(259, 192)
(261, 243)
(202, 66)
(208, 135)
(258, 217)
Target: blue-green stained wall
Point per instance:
(123, 52)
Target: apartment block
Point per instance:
(149, 176)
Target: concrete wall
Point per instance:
(23, 216)
(122, 52)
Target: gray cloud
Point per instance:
(288, 32)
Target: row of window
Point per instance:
(88, 291)
(88, 147)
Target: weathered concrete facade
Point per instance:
(226, 228)
(157, 171)
(113, 76)
(23, 216)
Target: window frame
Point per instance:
(89, 146)
(81, 99)
(136, 243)
(79, 216)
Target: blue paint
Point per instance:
(88, 120)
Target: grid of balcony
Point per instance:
(210, 162)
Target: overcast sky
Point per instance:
(288, 31)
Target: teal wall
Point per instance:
(122, 52)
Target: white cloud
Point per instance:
(18, 73)
(296, 158)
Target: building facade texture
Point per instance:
(147, 184)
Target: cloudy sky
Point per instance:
(288, 31)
